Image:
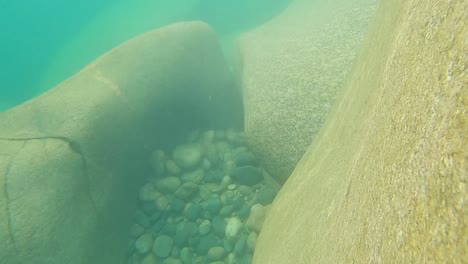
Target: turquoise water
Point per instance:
(45, 42)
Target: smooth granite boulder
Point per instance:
(291, 69)
(386, 179)
(71, 160)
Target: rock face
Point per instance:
(71, 159)
(386, 180)
(291, 69)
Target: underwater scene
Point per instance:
(235, 132)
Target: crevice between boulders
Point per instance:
(74, 146)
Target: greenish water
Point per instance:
(45, 42)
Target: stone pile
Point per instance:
(205, 203)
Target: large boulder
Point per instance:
(386, 179)
(71, 160)
(291, 69)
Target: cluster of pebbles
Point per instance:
(205, 203)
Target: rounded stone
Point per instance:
(149, 259)
(168, 184)
(233, 228)
(241, 245)
(172, 260)
(193, 211)
(162, 203)
(214, 176)
(172, 168)
(186, 190)
(205, 227)
(188, 156)
(177, 205)
(256, 218)
(247, 175)
(195, 176)
(226, 211)
(144, 243)
(219, 226)
(206, 243)
(251, 241)
(216, 253)
(245, 190)
(162, 246)
(265, 196)
(186, 255)
(228, 246)
(245, 158)
(212, 206)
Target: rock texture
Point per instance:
(386, 180)
(71, 159)
(291, 69)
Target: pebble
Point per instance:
(193, 211)
(245, 158)
(232, 187)
(206, 164)
(206, 243)
(168, 184)
(245, 190)
(214, 176)
(251, 241)
(177, 205)
(241, 245)
(212, 206)
(247, 175)
(228, 246)
(186, 255)
(231, 258)
(205, 227)
(162, 203)
(172, 261)
(195, 176)
(211, 153)
(265, 196)
(149, 259)
(144, 243)
(186, 190)
(216, 253)
(233, 228)
(226, 210)
(188, 156)
(256, 218)
(244, 212)
(172, 168)
(219, 226)
(162, 246)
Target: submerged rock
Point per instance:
(247, 175)
(186, 190)
(188, 156)
(216, 253)
(162, 246)
(144, 243)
